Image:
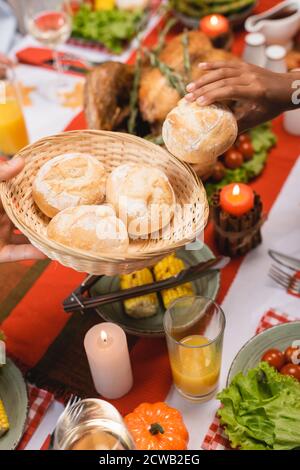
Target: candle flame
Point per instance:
(103, 336)
(214, 20)
(236, 190)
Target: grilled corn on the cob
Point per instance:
(145, 305)
(4, 424)
(168, 267)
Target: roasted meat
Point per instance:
(106, 95)
(156, 96)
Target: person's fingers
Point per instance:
(229, 83)
(223, 94)
(10, 253)
(220, 64)
(5, 60)
(211, 77)
(11, 168)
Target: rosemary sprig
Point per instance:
(186, 56)
(134, 95)
(162, 35)
(174, 78)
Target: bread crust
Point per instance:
(69, 180)
(199, 134)
(94, 229)
(142, 197)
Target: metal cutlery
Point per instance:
(289, 281)
(285, 260)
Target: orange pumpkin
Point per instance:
(157, 426)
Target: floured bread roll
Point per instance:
(199, 134)
(142, 197)
(95, 229)
(69, 180)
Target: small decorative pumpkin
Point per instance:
(157, 426)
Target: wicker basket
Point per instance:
(112, 149)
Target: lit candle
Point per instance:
(107, 352)
(237, 199)
(214, 25)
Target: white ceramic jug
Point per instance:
(279, 24)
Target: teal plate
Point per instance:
(279, 337)
(207, 286)
(13, 393)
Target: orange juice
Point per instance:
(196, 369)
(13, 133)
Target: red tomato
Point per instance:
(233, 158)
(243, 138)
(289, 352)
(218, 172)
(274, 358)
(246, 149)
(292, 370)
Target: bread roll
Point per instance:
(69, 180)
(142, 197)
(95, 229)
(199, 134)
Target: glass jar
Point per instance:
(92, 424)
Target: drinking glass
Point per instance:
(194, 328)
(13, 132)
(50, 23)
(92, 424)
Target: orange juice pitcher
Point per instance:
(13, 132)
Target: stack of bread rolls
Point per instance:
(97, 212)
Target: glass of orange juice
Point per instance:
(13, 132)
(194, 328)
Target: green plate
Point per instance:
(207, 286)
(279, 337)
(13, 393)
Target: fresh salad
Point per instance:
(112, 28)
(261, 410)
(245, 160)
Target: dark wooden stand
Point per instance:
(235, 236)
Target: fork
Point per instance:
(71, 411)
(288, 281)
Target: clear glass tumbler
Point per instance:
(13, 132)
(194, 328)
(92, 424)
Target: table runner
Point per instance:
(216, 438)
(37, 319)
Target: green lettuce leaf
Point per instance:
(263, 139)
(261, 411)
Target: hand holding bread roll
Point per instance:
(94, 229)
(69, 180)
(199, 134)
(142, 197)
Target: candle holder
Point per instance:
(237, 235)
(92, 424)
(194, 328)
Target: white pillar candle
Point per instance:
(107, 352)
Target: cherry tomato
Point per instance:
(233, 159)
(242, 138)
(288, 353)
(218, 172)
(292, 370)
(246, 149)
(274, 358)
